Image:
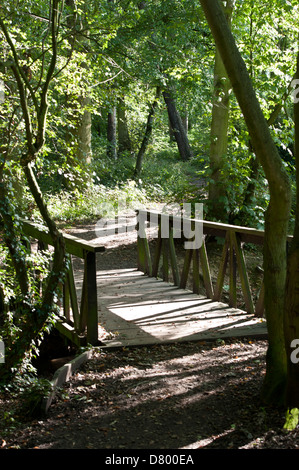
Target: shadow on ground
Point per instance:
(180, 396)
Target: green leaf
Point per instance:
(292, 418)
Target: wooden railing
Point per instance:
(232, 257)
(78, 323)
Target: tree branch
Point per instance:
(16, 65)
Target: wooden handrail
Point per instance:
(232, 256)
(75, 246)
(78, 323)
(246, 234)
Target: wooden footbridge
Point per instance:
(149, 303)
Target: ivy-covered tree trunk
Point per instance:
(278, 212)
(219, 130)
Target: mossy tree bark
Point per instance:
(219, 130)
(291, 320)
(278, 212)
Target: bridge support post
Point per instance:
(92, 301)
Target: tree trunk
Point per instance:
(218, 147)
(81, 125)
(291, 320)
(170, 132)
(84, 134)
(185, 119)
(177, 127)
(112, 134)
(124, 141)
(147, 135)
(219, 130)
(277, 214)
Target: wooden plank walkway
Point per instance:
(138, 310)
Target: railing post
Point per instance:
(243, 273)
(259, 307)
(143, 254)
(157, 254)
(222, 269)
(232, 255)
(165, 265)
(175, 272)
(196, 276)
(87, 317)
(206, 270)
(232, 272)
(186, 267)
(71, 291)
(92, 301)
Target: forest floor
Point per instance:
(195, 395)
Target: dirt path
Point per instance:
(181, 396)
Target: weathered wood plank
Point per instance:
(75, 246)
(148, 311)
(232, 272)
(66, 301)
(69, 331)
(247, 234)
(195, 273)
(157, 254)
(165, 263)
(86, 318)
(222, 269)
(243, 273)
(206, 270)
(232, 253)
(173, 259)
(185, 269)
(92, 298)
(144, 257)
(259, 307)
(73, 297)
